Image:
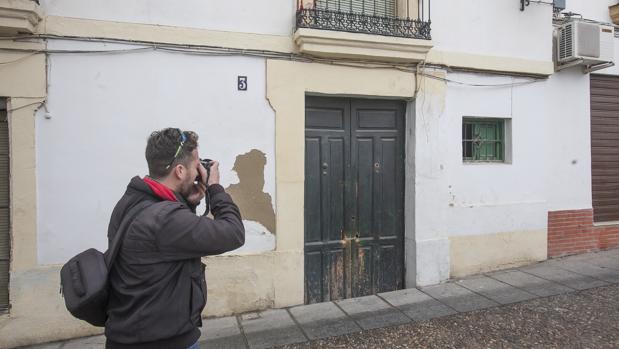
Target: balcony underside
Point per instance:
(358, 46)
(357, 35)
(19, 17)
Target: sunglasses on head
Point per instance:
(178, 150)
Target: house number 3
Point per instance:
(242, 83)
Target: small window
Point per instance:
(483, 140)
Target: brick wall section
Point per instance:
(572, 232)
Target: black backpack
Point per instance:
(84, 279)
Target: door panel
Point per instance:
(313, 276)
(354, 199)
(389, 209)
(363, 182)
(379, 173)
(326, 154)
(313, 210)
(362, 268)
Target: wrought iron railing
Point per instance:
(401, 18)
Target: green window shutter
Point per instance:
(483, 140)
(379, 8)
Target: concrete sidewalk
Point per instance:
(303, 323)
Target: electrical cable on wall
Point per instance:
(19, 59)
(203, 50)
(26, 105)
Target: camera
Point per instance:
(207, 163)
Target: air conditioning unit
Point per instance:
(586, 42)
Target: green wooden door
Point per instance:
(354, 197)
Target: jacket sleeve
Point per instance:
(184, 235)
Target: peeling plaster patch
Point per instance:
(257, 240)
(248, 194)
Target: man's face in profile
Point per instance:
(187, 184)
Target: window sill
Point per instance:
(19, 16)
(606, 224)
(335, 44)
(486, 163)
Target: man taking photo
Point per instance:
(158, 287)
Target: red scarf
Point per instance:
(160, 190)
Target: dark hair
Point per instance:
(163, 145)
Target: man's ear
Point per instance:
(179, 171)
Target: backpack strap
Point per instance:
(114, 247)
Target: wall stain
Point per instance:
(248, 194)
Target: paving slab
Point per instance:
(55, 345)
(96, 342)
(601, 260)
(530, 283)
(498, 291)
(562, 276)
(458, 297)
(614, 253)
(372, 312)
(222, 333)
(592, 270)
(270, 328)
(323, 320)
(416, 304)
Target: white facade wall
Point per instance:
(488, 27)
(103, 108)
(274, 17)
(493, 27)
(568, 141)
(596, 10)
(550, 167)
(456, 197)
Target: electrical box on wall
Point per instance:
(587, 43)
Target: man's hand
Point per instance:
(197, 193)
(214, 177)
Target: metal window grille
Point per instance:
(379, 17)
(381, 8)
(4, 209)
(483, 140)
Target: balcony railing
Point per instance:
(411, 19)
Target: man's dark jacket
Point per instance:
(158, 288)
